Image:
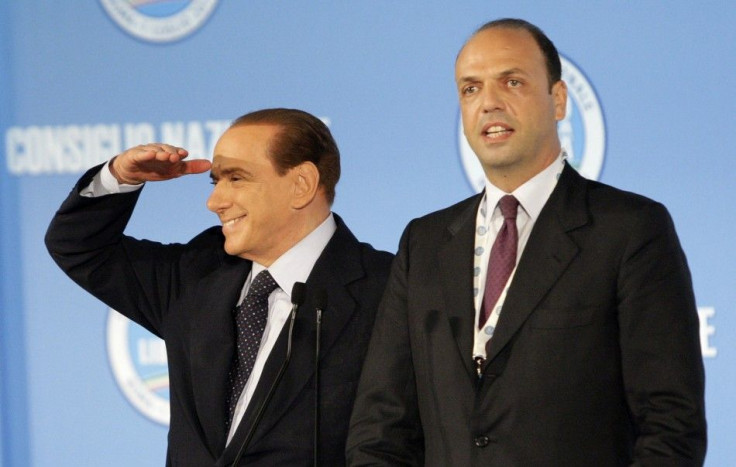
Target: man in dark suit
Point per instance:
(274, 173)
(548, 321)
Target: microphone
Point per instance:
(298, 294)
(297, 299)
(320, 304)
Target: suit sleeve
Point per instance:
(85, 238)
(385, 428)
(659, 338)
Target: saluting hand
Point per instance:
(154, 162)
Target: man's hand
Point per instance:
(154, 162)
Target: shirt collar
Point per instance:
(296, 264)
(533, 194)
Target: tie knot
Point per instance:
(508, 205)
(262, 285)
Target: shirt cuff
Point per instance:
(105, 183)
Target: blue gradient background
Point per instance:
(382, 72)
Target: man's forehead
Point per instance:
(221, 163)
(244, 138)
(266, 130)
(497, 38)
(499, 46)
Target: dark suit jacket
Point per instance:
(595, 360)
(185, 293)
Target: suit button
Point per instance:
(481, 441)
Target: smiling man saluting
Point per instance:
(221, 301)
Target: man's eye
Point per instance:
(514, 83)
(469, 89)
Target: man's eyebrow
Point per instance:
(467, 79)
(502, 74)
(218, 172)
(511, 71)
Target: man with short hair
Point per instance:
(548, 321)
(274, 173)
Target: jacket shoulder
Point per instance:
(446, 220)
(606, 200)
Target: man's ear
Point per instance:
(306, 184)
(559, 93)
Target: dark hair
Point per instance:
(551, 56)
(302, 137)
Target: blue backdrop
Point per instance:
(652, 105)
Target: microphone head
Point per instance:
(298, 293)
(320, 299)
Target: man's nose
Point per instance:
(492, 99)
(218, 199)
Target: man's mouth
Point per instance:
(232, 222)
(497, 131)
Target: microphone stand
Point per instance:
(297, 299)
(320, 301)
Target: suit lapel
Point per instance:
(213, 345)
(548, 252)
(337, 267)
(455, 257)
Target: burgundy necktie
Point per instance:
(503, 258)
(250, 320)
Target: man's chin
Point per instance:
(231, 249)
(495, 163)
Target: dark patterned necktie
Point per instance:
(250, 320)
(503, 258)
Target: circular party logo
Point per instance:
(159, 21)
(582, 132)
(139, 365)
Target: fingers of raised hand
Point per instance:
(196, 166)
(154, 162)
(159, 152)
